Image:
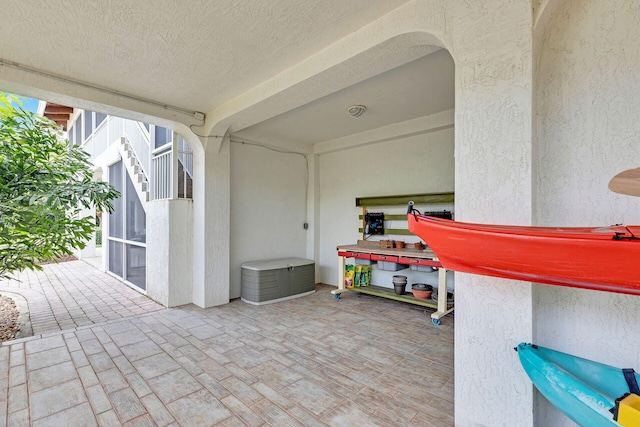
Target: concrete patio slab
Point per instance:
(105, 355)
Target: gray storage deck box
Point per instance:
(274, 280)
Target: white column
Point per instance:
(170, 251)
(211, 225)
(493, 167)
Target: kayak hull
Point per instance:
(603, 258)
(582, 389)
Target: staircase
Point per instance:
(134, 168)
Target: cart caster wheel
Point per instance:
(435, 321)
(336, 296)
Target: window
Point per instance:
(136, 219)
(161, 136)
(115, 219)
(88, 123)
(100, 118)
(127, 230)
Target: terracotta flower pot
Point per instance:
(421, 294)
(422, 291)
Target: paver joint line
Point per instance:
(237, 364)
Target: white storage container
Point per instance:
(423, 268)
(391, 266)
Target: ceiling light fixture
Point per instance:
(356, 110)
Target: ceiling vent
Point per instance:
(356, 110)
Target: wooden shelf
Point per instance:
(390, 217)
(393, 231)
(408, 297)
(388, 201)
(379, 291)
(405, 256)
(418, 199)
(420, 258)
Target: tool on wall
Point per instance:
(374, 223)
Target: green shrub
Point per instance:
(44, 184)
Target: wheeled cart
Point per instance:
(420, 258)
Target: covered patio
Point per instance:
(103, 354)
(524, 109)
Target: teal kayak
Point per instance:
(582, 389)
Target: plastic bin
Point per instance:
(276, 280)
(391, 266)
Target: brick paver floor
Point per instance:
(72, 294)
(105, 355)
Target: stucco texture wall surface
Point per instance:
(491, 42)
(418, 164)
(588, 118)
(544, 116)
(492, 46)
(268, 207)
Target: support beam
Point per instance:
(211, 226)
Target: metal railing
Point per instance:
(158, 167)
(162, 187)
(113, 128)
(172, 176)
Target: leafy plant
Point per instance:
(44, 184)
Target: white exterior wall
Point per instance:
(169, 251)
(211, 224)
(405, 165)
(267, 207)
(90, 246)
(588, 117)
(585, 108)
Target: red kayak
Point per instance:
(602, 258)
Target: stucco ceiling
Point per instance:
(200, 55)
(419, 88)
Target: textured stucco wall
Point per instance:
(267, 207)
(406, 165)
(491, 43)
(588, 116)
(586, 124)
(211, 224)
(169, 251)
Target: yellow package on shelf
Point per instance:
(349, 275)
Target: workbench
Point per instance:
(406, 256)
